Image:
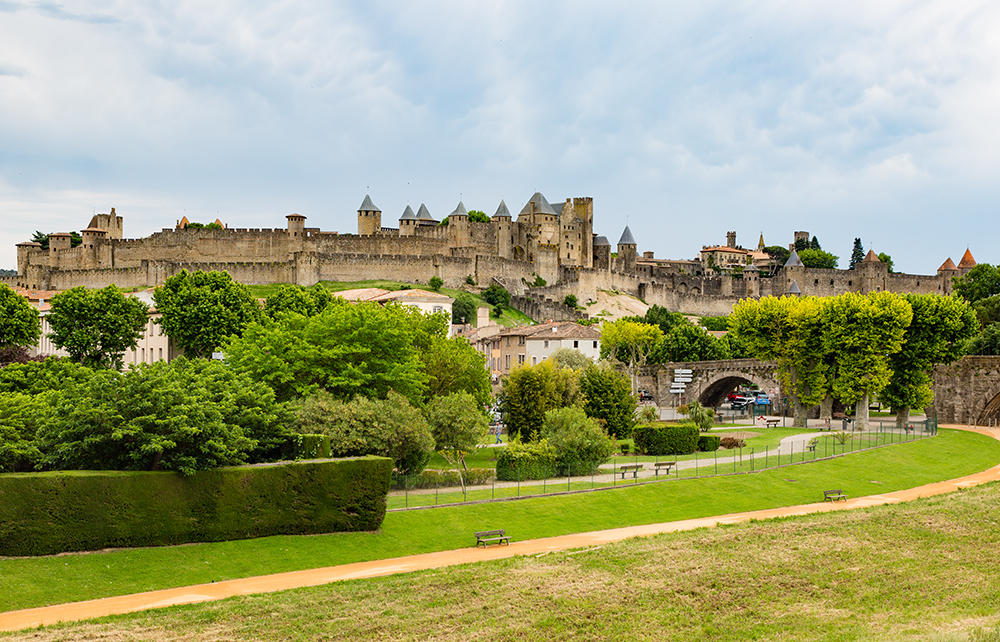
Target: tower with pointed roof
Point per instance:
(967, 263)
(369, 218)
(501, 222)
(458, 227)
(407, 222)
(626, 251)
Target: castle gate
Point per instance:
(711, 381)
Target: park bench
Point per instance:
(833, 495)
(633, 468)
(771, 423)
(811, 447)
(662, 465)
(499, 536)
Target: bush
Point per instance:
(497, 296)
(708, 443)
(570, 301)
(519, 461)
(579, 441)
(608, 395)
(539, 282)
(48, 513)
(436, 282)
(470, 280)
(732, 442)
(307, 447)
(671, 439)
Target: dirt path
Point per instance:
(15, 620)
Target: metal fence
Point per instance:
(629, 470)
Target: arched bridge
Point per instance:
(967, 391)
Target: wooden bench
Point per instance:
(633, 468)
(833, 495)
(499, 536)
(811, 447)
(662, 465)
(771, 423)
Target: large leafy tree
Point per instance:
(988, 310)
(182, 415)
(453, 365)
(19, 324)
(688, 342)
(981, 282)
(96, 327)
(527, 393)
(937, 334)
(348, 350)
(458, 423)
(201, 309)
(608, 396)
(297, 299)
(815, 258)
(21, 415)
(464, 309)
(863, 331)
(580, 443)
(987, 342)
(789, 331)
(629, 343)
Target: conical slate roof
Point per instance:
(967, 262)
(947, 265)
(627, 238)
(368, 206)
(871, 258)
(408, 214)
(460, 210)
(541, 205)
(424, 214)
(502, 211)
(601, 240)
(794, 260)
(794, 288)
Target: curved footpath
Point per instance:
(26, 618)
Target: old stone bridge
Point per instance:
(967, 391)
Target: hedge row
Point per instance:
(431, 478)
(666, 440)
(46, 513)
(518, 461)
(708, 443)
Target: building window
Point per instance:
(595, 344)
(520, 341)
(520, 359)
(576, 344)
(508, 342)
(438, 308)
(161, 354)
(507, 360)
(534, 361)
(546, 344)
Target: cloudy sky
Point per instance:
(878, 120)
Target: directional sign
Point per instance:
(683, 379)
(686, 371)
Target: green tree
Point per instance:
(661, 317)
(201, 309)
(580, 443)
(21, 416)
(699, 415)
(37, 377)
(801, 244)
(19, 324)
(790, 331)
(981, 282)
(570, 358)
(459, 425)
(497, 296)
(885, 258)
(988, 310)
(389, 427)
(608, 396)
(814, 244)
(297, 299)
(182, 415)
(940, 328)
(778, 253)
(478, 216)
(818, 259)
(526, 394)
(570, 300)
(96, 327)
(864, 331)
(716, 324)
(688, 342)
(453, 365)
(986, 342)
(436, 282)
(464, 309)
(629, 343)
(348, 350)
(857, 253)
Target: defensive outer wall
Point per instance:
(965, 392)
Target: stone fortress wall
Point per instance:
(556, 243)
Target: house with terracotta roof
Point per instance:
(534, 344)
(424, 300)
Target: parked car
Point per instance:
(645, 395)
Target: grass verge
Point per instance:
(924, 570)
(28, 582)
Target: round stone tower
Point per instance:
(369, 218)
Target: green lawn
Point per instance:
(510, 317)
(920, 571)
(26, 582)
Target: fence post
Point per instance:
(435, 490)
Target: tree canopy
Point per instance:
(857, 253)
(96, 327)
(19, 324)
(629, 343)
(815, 258)
(981, 282)
(201, 309)
(295, 298)
(608, 397)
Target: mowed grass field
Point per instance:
(29, 582)
(923, 570)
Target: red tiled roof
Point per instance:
(967, 261)
(947, 265)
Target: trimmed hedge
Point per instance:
(518, 462)
(708, 443)
(431, 478)
(46, 513)
(666, 440)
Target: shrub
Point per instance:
(47, 513)
(608, 395)
(436, 282)
(308, 447)
(470, 280)
(708, 443)
(579, 441)
(729, 443)
(520, 461)
(671, 439)
(570, 301)
(539, 282)
(497, 296)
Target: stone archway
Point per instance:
(991, 411)
(714, 391)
